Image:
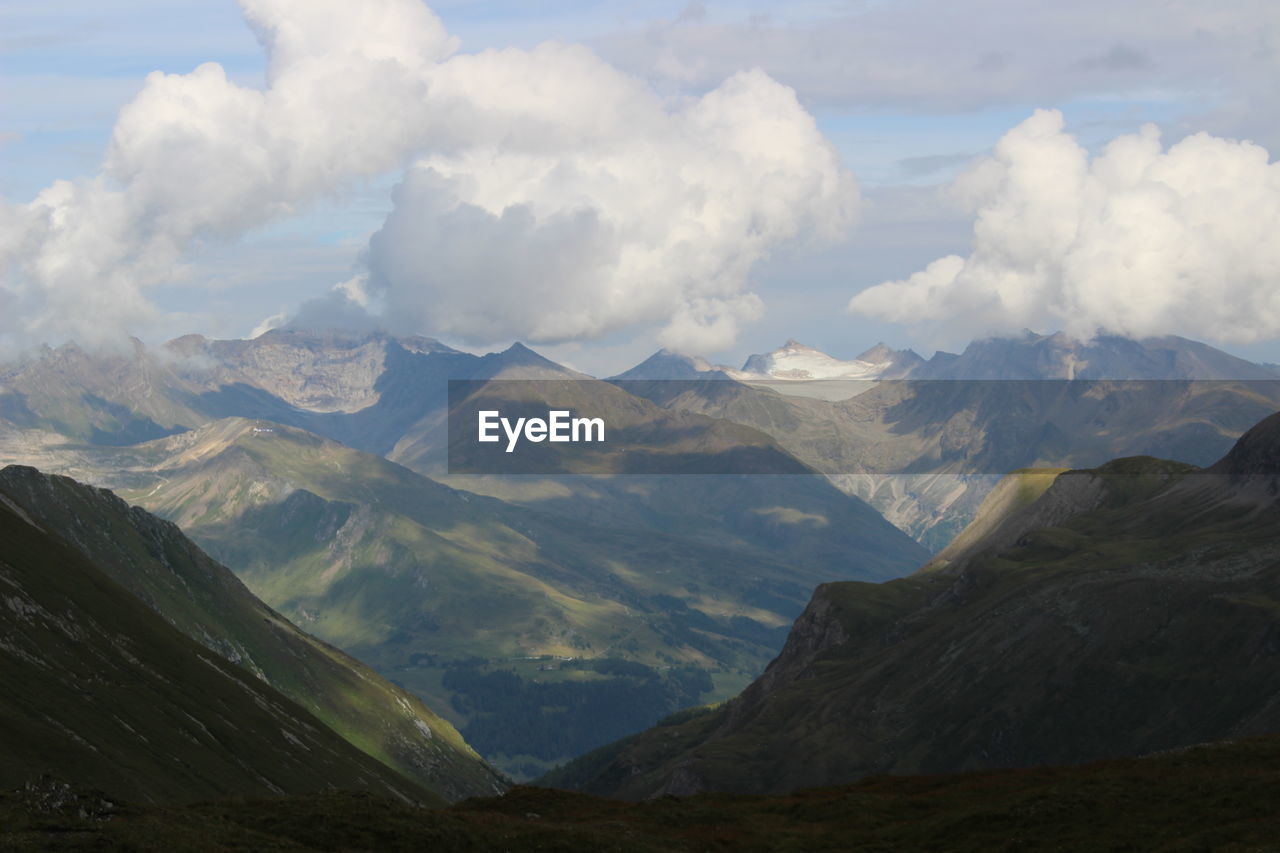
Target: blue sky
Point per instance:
(910, 94)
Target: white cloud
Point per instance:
(1138, 240)
(275, 321)
(620, 211)
(197, 157)
(550, 196)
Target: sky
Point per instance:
(603, 178)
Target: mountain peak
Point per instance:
(668, 364)
(519, 354)
(520, 362)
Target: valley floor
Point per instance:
(1212, 797)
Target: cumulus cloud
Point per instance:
(196, 157)
(547, 195)
(643, 215)
(1139, 240)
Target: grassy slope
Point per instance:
(204, 600)
(100, 689)
(1144, 621)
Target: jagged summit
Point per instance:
(882, 352)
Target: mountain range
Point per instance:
(1086, 610)
(314, 464)
(1024, 356)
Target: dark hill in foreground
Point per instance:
(1213, 797)
(1128, 609)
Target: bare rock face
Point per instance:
(315, 371)
(816, 631)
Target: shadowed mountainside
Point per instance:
(203, 599)
(100, 689)
(1130, 608)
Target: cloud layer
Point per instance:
(1138, 240)
(943, 55)
(546, 194)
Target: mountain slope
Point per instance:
(101, 691)
(204, 600)
(1145, 616)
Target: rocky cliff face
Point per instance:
(327, 372)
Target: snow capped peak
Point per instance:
(797, 361)
(792, 361)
